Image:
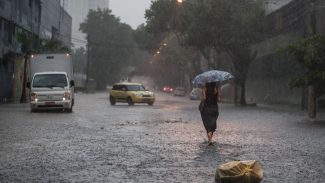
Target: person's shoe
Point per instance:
(210, 143)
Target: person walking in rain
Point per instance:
(209, 108)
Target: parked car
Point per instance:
(131, 93)
(196, 94)
(168, 89)
(179, 91)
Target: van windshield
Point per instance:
(50, 80)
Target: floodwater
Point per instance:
(161, 143)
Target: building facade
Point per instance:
(56, 23)
(17, 17)
(78, 9)
(26, 21)
(270, 73)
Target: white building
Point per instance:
(273, 5)
(78, 9)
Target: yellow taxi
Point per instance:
(131, 93)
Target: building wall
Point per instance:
(50, 21)
(35, 18)
(95, 4)
(65, 28)
(320, 14)
(17, 16)
(55, 22)
(78, 9)
(270, 74)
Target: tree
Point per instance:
(146, 40)
(53, 46)
(110, 46)
(230, 26)
(309, 53)
(31, 44)
(174, 63)
(80, 60)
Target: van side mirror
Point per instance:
(28, 85)
(71, 83)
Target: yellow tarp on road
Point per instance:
(240, 172)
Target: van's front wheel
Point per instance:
(69, 110)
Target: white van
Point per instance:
(51, 82)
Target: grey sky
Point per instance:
(130, 11)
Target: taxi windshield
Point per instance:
(135, 88)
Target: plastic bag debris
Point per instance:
(249, 171)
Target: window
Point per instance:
(116, 87)
(50, 80)
(135, 88)
(6, 32)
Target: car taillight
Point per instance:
(33, 97)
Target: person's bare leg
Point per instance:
(210, 134)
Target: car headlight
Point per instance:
(66, 96)
(138, 95)
(33, 97)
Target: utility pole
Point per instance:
(88, 53)
(311, 88)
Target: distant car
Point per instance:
(179, 91)
(168, 89)
(196, 94)
(131, 93)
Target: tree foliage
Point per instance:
(160, 16)
(171, 65)
(31, 44)
(310, 54)
(230, 26)
(53, 46)
(146, 40)
(79, 59)
(110, 46)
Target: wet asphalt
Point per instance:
(161, 143)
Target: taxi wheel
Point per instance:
(150, 103)
(112, 100)
(129, 100)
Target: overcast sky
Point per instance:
(130, 11)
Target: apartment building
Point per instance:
(36, 19)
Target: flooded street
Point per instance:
(161, 143)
